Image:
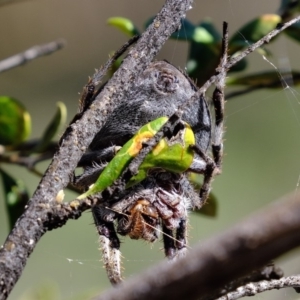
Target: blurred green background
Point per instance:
(262, 141)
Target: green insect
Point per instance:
(172, 155)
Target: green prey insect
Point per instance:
(174, 155)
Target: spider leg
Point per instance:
(181, 241)
(109, 246)
(213, 166)
(89, 176)
(169, 242)
(219, 101)
(175, 247)
(217, 138)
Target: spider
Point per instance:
(160, 201)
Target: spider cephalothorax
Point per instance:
(156, 198)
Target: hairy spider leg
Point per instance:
(181, 238)
(109, 246)
(175, 247)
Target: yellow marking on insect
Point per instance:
(138, 141)
(159, 147)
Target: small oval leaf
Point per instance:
(123, 24)
(15, 123)
(210, 27)
(201, 35)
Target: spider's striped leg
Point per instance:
(219, 101)
(175, 247)
(217, 136)
(109, 246)
(169, 242)
(213, 166)
(181, 242)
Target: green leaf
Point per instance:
(15, 123)
(269, 79)
(210, 27)
(16, 197)
(123, 24)
(201, 35)
(58, 120)
(253, 31)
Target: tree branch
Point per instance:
(30, 54)
(28, 229)
(217, 261)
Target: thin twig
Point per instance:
(268, 272)
(7, 2)
(102, 71)
(30, 54)
(25, 161)
(253, 288)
